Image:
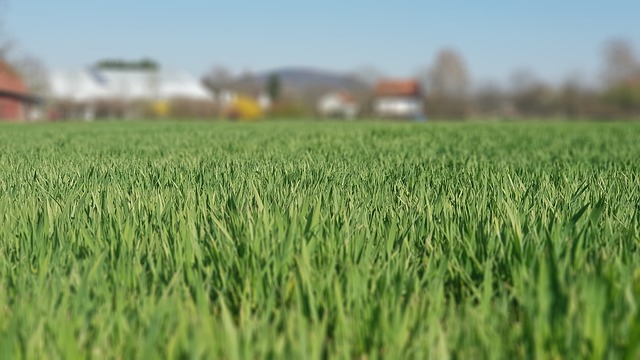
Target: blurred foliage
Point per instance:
(189, 108)
(245, 108)
(289, 109)
(117, 64)
(624, 96)
(274, 87)
(160, 108)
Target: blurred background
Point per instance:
(283, 59)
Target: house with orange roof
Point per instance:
(15, 98)
(398, 98)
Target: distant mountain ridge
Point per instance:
(303, 79)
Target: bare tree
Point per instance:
(34, 73)
(217, 78)
(447, 85)
(523, 80)
(531, 96)
(620, 64)
(622, 79)
(5, 42)
(489, 100)
(448, 76)
(368, 75)
(575, 99)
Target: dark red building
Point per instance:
(14, 95)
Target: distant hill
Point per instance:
(303, 79)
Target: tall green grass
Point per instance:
(320, 240)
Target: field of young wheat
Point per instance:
(320, 240)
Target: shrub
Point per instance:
(245, 108)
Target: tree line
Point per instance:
(617, 95)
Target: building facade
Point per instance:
(15, 99)
(398, 99)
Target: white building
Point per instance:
(88, 87)
(398, 99)
(338, 104)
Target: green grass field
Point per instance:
(320, 240)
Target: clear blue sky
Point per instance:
(553, 38)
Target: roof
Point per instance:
(79, 85)
(10, 80)
(88, 84)
(345, 97)
(340, 95)
(395, 87)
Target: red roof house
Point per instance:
(395, 98)
(402, 88)
(14, 95)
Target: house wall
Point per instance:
(11, 109)
(332, 105)
(398, 106)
